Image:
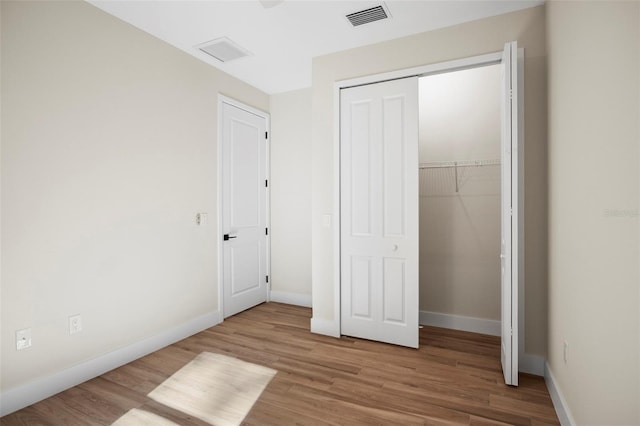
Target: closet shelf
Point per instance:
(464, 163)
(455, 165)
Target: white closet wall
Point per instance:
(460, 206)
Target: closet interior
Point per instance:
(460, 183)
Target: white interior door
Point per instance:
(379, 211)
(509, 247)
(243, 209)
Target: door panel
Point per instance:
(509, 230)
(244, 279)
(245, 172)
(243, 209)
(379, 211)
(361, 286)
(360, 169)
(393, 167)
(394, 290)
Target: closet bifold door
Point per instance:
(379, 211)
(509, 202)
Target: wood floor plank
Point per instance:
(265, 414)
(94, 408)
(380, 397)
(453, 378)
(537, 411)
(171, 414)
(54, 412)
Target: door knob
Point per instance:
(227, 237)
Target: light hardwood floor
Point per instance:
(454, 378)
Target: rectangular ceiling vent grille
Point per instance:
(366, 16)
(223, 49)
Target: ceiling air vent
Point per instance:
(366, 16)
(223, 49)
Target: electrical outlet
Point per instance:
(75, 324)
(23, 339)
(566, 352)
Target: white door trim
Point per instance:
(421, 71)
(222, 99)
(332, 328)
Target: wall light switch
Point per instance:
(23, 339)
(202, 219)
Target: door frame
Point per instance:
(222, 99)
(421, 71)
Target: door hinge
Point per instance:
(266, 183)
(266, 231)
(266, 135)
(267, 278)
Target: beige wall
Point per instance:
(461, 41)
(594, 105)
(291, 192)
(108, 152)
(460, 230)
(460, 115)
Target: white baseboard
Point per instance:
(297, 299)
(326, 327)
(559, 403)
(532, 364)
(29, 393)
(458, 322)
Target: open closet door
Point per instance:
(379, 211)
(509, 246)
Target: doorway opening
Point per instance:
(459, 207)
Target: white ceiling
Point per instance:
(283, 38)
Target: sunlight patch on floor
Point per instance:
(215, 388)
(137, 417)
